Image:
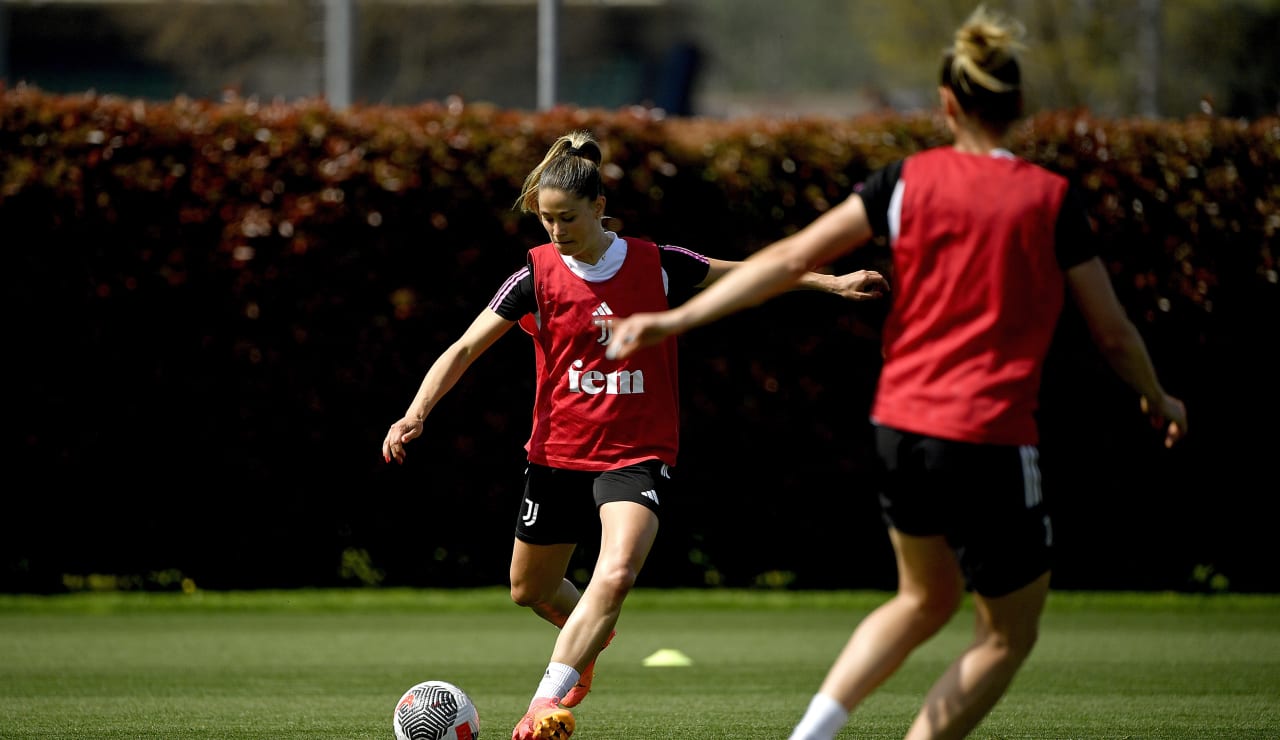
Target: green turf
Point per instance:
(331, 665)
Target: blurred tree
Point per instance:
(1151, 57)
(759, 47)
(1139, 57)
(1228, 56)
(249, 47)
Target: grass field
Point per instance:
(331, 665)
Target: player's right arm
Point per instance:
(443, 374)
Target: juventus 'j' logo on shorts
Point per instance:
(530, 514)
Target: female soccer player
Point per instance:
(605, 432)
(984, 247)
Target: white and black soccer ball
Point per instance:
(436, 710)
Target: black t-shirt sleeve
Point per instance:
(685, 269)
(1074, 241)
(876, 192)
(515, 298)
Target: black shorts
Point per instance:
(985, 499)
(560, 506)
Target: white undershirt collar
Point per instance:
(608, 265)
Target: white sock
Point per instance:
(557, 681)
(822, 720)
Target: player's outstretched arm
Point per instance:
(777, 268)
(443, 375)
(860, 285)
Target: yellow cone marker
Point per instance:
(666, 658)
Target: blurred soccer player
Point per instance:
(985, 246)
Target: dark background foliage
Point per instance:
(214, 311)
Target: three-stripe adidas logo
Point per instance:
(606, 329)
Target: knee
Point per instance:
(940, 610)
(613, 582)
(935, 607)
(531, 594)
(522, 596)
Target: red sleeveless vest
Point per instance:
(589, 412)
(977, 295)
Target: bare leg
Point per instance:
(1005, 631)
(627, 533)
(929, 591)
(538, 582)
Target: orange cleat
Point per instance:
(545, 720)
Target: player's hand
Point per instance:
(400, 433)
(861, 285)
(633, 333)
(1170, 414)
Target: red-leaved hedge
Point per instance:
(247, 292)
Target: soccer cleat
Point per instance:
(580, 689)
(545, 720)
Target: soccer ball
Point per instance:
(435, 710)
